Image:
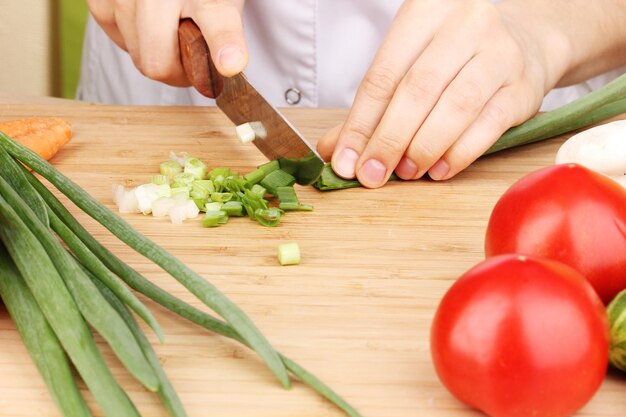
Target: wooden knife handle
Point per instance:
(196, 60)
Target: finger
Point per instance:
(327, 143)
(417, 94)
(510, 106)
(103, 13)
(157, 29)
(221, 24)
(125, 18)
(395, 56)
(459, 105)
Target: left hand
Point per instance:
(450, 77)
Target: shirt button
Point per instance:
(293, 96)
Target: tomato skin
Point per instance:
(567, 213)
(521, 336)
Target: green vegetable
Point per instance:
(170, 168)
(139, 283)
(261, 172)
(277, 178)
(42, 344)
(166, 391)
(289, 200)
(289, 253)
(616, 311)
(201, 288)
(61, 311)
(306, 170)
(328, 180)
(592, 107)
(214, 218)
(268, 217)
(232, 208)
(88, 299)
(196, 168)
(160, 180)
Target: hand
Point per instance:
(450, 77)
(148, 30)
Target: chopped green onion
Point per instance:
(214, 218)
(204, 184)
(262, 170)
(289, 253)
(277, 178)
(306, 169)
(160, 179)
(214, 206)
(170, 168)
(184, 179)
(268, 217)
(221, 197)
(184, 191)
(232, 208)
(258, 191)
(163, 190)
(329, 181)
(196, 168)
(245, 133)
(218, 172)
(295, 207)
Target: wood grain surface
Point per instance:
(357, 311)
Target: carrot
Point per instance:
(45, 136)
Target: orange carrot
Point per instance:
(42, 135)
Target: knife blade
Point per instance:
(242, 103)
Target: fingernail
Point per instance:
(406, 168)
(345, 164)
(372, 173)
(230, 58)
(439, 170)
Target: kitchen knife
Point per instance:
(242, 103)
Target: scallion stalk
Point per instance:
(61, 311)
(202, 289)
(40, 341)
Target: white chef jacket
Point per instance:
(308, 53)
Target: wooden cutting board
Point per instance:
(356, 311)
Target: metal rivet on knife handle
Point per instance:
(196, 60)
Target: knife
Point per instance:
(242, 103)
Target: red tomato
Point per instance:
(567, 213)
(521, 336)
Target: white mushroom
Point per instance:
(601, 148)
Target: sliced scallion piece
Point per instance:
(262, 170)
(268, 217)
(277, 178)
(232, 208)
(196, 167)
(289, 253)
(170, 168)
(214, 218)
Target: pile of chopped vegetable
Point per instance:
(60, 285)
(185, 187)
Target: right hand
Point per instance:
(148, 31)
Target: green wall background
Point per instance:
(71, 17)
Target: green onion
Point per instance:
(196, 168)
(139, 283)
(306, 170)
(232, 208)
(160, 179)
(258, 191)
(606, 101)
(96, 267)
(261, 172)
(206, 185)
(40, 341)
(170, 168)
(289, 253)
(14, 174)
(184, 179)
(221, 197)
(289, 200)
(166, 391)
(269, 217)
(277, 178)
(219, 173)
(214, 206)
(88, 299)
(201, 288)
(214, 218)
(61, 311)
